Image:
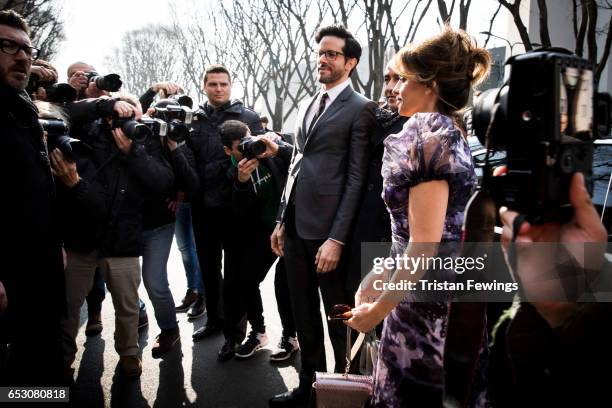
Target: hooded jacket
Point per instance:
(212, 164)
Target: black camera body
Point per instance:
(250, 147)
(177, 118)
(57, 138)
(140, 130)
(110, 82)
(545, 117)
(56, 93)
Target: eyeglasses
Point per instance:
(12, 48)
(330, 55)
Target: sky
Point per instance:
(94, 27)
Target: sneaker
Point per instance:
(131, 366)
(254, 342)
(143, 319)
(198, 308)
(287, 346)
(227, 351)
(190, 298)
(94, 325)
(165, 341)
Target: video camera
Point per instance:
(140, 130)
(110, 82)
(56, 93)
(57, 137)
(545, 117)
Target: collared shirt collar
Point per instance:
(335, 91)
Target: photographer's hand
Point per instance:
(3, 299)
(585, 227)
(245, 168)
(125, 110)
(64, 170)
(168, 88)
(45, 74)
(123, 142)
(277, 240)
(271, 147)
(79, 80)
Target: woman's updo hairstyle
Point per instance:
(452, 60)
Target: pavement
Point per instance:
(188, 376)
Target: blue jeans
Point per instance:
(186, 244)
(157, 243)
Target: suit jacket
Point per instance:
(329, 167)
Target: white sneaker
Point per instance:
(287, 346)
(255, 341)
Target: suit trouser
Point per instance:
(304, 283)
(122, 277)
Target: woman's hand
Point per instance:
(366, 317)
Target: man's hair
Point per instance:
(127, 97)
(264, 119)
(45, 64)
(78, 63)
(351, 48)
(216, 69)
(231, 130)
(15, 20)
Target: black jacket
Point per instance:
(82, 209)
(31, 251)
(129, 179)
(155, 211)
(373, 223)
(244, 198)
(213, 166)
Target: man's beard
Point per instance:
(334, 75)
(16, 84)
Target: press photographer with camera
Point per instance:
(88, 83)
(32, 271)
(256, 192)
(131, 172)
(82, 210)
(211, 206)
(169, 130)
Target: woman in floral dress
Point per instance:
(428, 179)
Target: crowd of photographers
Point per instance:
(108, 180)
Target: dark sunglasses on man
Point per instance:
(11, 47)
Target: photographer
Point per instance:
(159, 216)
(553, 353)
(82, 209)
(194, 297)
(32, 272)
(44, 73)
(211, 207)
(78, 78)
(130, 173)
(256, 192)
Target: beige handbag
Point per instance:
(333, 390)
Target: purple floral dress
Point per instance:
(409, 371)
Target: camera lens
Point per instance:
(177, 131)
(138, 132)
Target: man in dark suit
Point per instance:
(373, 223)
(320, 202)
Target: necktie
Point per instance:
(322, 102)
